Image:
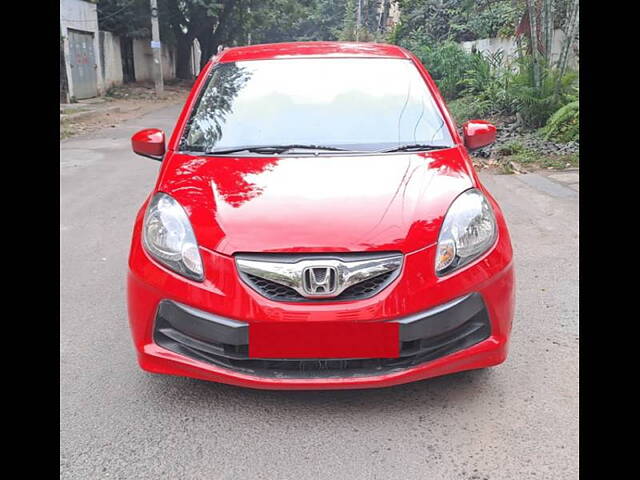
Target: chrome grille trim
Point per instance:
(287, 270)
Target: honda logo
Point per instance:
(320, 281)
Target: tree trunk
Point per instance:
(569, 31)
(210, 39)
(208, 47)
(184, 41)
(533, 39)
(183, 58)
(384, 15)
(547, 19)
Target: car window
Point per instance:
(351, 103)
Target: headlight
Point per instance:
(469, 229)
(168, 237)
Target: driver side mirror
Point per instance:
(149, 143)
(478, 134)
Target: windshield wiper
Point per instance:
(274, 149)
(413, 147)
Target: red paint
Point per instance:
(478, 134)
(333, 339)
(251, 205)
(148, 142)
(311, 49)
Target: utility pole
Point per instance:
(155, 47)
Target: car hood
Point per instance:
(341, 203)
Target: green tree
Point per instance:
(125, 18)
(348, 31)
(324, 20)
(458, 20)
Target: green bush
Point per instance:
(468, 108)
(487, 84)
(564, 125)
(446, 62)
(513, 147)
(536, 105)
(488, 79)
(458, 20)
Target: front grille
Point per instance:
(274, 290)
(288, 277)
(362, 290)
(367, 288)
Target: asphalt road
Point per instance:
(516, 421)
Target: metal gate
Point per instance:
(83, 64)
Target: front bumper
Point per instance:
(225, 343)
(200, 330)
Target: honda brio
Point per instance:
(317, 223)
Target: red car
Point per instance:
(317, 224)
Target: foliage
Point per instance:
(489, 78)
(228, 22)
(458, 20)
(468, 108)
(536, 105)
(474, 84)
(513, 147)
(564, 124)
(367, 31)
(347, 32)
(490, 85)
(446, 62)
(488, 19)
(128, 18)
(321, 20)
(514, 154)
(477, 84)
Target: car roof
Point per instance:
(311, 49)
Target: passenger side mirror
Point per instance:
(149, 143)
(478, 134)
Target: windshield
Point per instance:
(363, 104)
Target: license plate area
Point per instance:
(317, 340)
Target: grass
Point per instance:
(66, 130)
(514, 153)
(69, 111)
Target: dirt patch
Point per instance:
(119, 104)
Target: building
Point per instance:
(95, 60)
(80, 46)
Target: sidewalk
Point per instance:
(121, 103)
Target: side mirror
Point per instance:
(478, 134)
(149, 143)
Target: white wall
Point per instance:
(143, 61)
(111, 59)
(509, 47)
(83, 16)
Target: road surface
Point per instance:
(516, 421)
